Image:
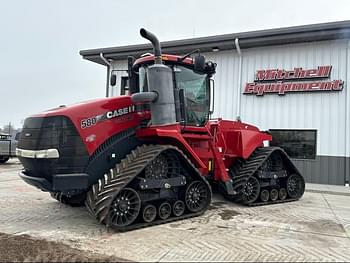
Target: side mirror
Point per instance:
(113, 80)
(199, 64)
(211, 95)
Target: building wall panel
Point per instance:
(327, 112)
(324, 111)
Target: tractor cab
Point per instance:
(192, 87)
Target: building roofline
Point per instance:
(250, 39)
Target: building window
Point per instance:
(298, 144)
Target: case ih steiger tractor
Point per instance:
(150, 157)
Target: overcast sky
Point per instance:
(40, 39)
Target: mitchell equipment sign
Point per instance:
(281, 81)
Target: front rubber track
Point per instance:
(101, 195)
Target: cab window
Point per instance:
(195, 88)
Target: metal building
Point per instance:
(291, 81)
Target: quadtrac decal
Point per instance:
(89, 122)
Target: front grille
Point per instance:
(57, 132)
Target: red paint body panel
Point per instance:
(219, 142)
(101, 130)
(171, 133)
(237, 139)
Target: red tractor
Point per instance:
(151, 157)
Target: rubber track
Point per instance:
(251, 165)
(101, 195)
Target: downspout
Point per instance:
(347, 120)
(108, 69)
(238, 110)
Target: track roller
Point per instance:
(149, 213)
(274, 195)
(282, 194)
(164, 210)
(179, 208)
(265, 195)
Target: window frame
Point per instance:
(207, 92)
(298, 130)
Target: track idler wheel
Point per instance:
(295, 186)
(149, 213)
(124, 208)
(274, 195)
(164, 211)
(264, 195)
(179, 208)
(197, 196)
(282, 194)
(251, 190)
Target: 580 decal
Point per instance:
(88, 122)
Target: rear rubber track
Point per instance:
(251, 166)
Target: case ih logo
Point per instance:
(281, 81)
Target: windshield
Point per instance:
(196, 95)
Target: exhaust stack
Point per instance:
(160, 93)
(156, 45)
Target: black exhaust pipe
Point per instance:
(156, 45)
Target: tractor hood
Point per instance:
(95, 120)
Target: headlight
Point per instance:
(38, 154)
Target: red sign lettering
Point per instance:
(281, 81)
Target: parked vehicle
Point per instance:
(150, 157)
(8, 146)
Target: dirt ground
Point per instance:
(23, 248)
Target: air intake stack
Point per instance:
(160, 86)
